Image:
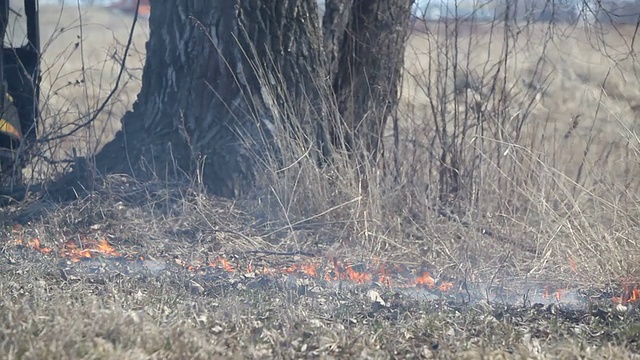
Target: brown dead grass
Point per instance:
(52, 309)
(159, 318)
(541, 218)
(585, 72)
(564, 188)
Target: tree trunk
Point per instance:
(201, 93)
(369, 71)
(219, 73)
(334, 23)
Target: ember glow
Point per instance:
(392, 276)
(222, 263)
(630, 294)
(335, 270)
(71, 250)
(556, 294)
(87, 250)
(426, 280)
(35, 245)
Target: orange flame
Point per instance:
(383, 276)
(75, 253)
(558, 294)
(319, 269)
(445, 286)
(106, 249)
(631, 294)
(634, 295)
(426, 280)
(226, 265)
(35, 245)
(356, 276)
(339, 271)
(222, 263)
(308, 268)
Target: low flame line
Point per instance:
(339, 272)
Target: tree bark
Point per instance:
(219, 75)
(201, 93)
(369, 71)
(334, 23)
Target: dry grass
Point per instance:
(546, 194)
(546, 162)
(550, 160)
(159, 318)
(58, 309)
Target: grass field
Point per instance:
(544, 146)
(52, 307)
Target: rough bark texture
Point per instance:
(200, 93)
(369, 70)
(334, 24)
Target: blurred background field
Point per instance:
(83, 49)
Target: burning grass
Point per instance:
(557, 198)
(319, 267)
(166, 316)
(163, 320)
(116, 277)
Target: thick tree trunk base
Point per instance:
(224, 78)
